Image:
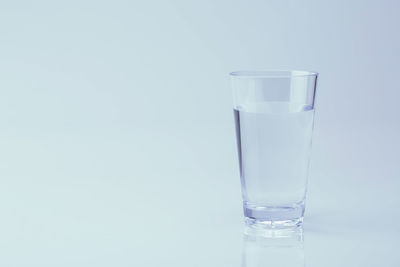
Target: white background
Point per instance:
(117, 143)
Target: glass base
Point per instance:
(273, 217)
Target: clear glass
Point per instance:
(274, 117)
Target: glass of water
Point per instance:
(274, 116)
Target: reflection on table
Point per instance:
(273, 247)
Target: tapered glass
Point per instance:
(274, 117)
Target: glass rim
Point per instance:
(253, 74)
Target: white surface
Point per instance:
(117, 144)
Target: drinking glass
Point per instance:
(274, 117)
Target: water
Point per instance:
(274, 143)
